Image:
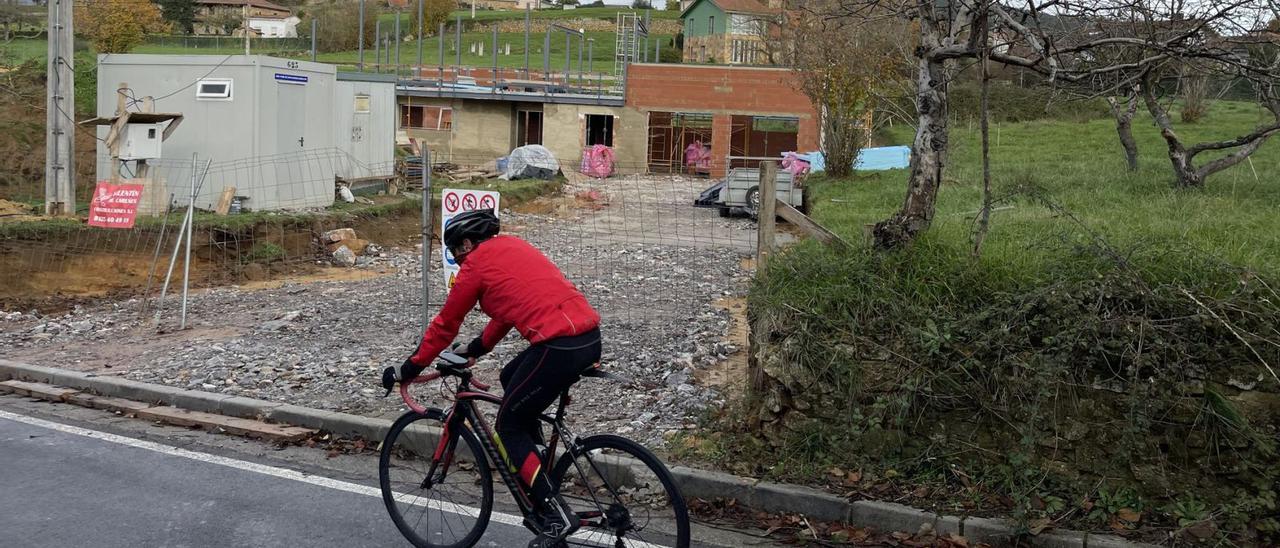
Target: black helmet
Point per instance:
(477, 226)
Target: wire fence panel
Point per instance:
(275, 319)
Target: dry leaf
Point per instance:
(899, 535)
(1038, 525)
(853, 477)
(921, 492)
(957, 540)
(1129, 515)
(1203, 529)
(836, 472)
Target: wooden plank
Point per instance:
(38, 390)
(232, 425)
(767, 216)
(123, 406)
(224, 201)
(811, 227)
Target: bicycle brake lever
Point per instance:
(388, 380)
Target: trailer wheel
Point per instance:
(753, 201)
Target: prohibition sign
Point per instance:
(469, 202)
(451, 202)
(486, 201)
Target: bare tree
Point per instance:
(1102, 46)
(1123, 108)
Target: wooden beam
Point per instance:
(224, 201)
(767, 216)
(811, 227)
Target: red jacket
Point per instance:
(517, 286)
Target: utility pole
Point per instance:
(361, 64)
(60, 153)
(246, 28)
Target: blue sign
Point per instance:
(291, 79)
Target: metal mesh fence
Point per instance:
(274, 319)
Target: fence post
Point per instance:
(427, 226)
(767, 215)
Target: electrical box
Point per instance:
(141, 141)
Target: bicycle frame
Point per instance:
(469, 392)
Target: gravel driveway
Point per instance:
(654, 266)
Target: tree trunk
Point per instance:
(1185, 174)
(928, 158)
(1124, 127)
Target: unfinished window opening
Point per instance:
(599, 130)
(761, 137)
(679, 142)
(426, 117)
(528, 128)
(213, 90)
(362, 104)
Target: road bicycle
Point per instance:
(439, 492)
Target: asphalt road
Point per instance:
(70, 484)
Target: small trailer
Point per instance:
(739, 191)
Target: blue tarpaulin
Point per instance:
(870, 159)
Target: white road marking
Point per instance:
(506, 519)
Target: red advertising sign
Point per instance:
(114, 206)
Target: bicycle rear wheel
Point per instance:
(623, 494)
(435, 504)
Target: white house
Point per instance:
(275, 27)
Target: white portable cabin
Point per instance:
(277, 130)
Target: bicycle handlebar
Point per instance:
(450, 364)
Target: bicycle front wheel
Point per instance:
(444, 503)
(623, 495)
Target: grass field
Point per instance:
(1081, 167)
(1100, 299)
(609, 12)
(604, 48)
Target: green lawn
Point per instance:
(603, 51)
(608, 12)
(21, 50)
(1081, 166)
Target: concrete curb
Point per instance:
(760, 495)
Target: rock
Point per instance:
(279, 324)
(676, 379)
(344, 257)
(339, 234)
(254, 272)
(646, 417)
(357, 246)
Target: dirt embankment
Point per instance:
(59, 269)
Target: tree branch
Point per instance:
(1260, 134)
(1249, 147)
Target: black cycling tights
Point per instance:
(530, 384)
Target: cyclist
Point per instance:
(516, 286)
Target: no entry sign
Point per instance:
(455, 201)
(114, 206)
